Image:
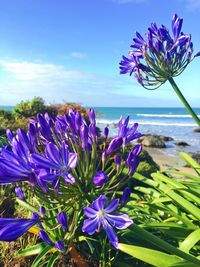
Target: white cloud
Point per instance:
(26, 79)
(78, 55)
(31, 71)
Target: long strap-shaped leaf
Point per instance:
(185, 204)
(53, 259)
(40, 256)
(190, 241)
(150, 256)
(150, 238)
(33, 250)
(190, 161)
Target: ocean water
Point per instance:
(174, 122)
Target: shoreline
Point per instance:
(167, 162)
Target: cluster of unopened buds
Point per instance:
(74, 174)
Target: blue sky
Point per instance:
(69, 50)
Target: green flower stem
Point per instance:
(184, 101)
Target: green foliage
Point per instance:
(7, 114)
(147, 164)
(166, 211)
(31, 108)
(18, 118)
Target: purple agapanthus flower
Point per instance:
(100, 217)
(127, 133)
(15, 163)
(160, 55)
(58, 162)
(11, 229)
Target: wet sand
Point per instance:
(167, 161)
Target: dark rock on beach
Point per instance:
(181, 143)
(197, 130)
(152, 141)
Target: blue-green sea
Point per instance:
(174, 122)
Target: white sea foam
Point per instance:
(110, 122)
(165, 115)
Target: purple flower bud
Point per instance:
(114, 145)
(133, 158)
(84, 136)
(62, 220)
(197, 54)
(19, 192)
(42, 210)
(43, 235)
(125, 196)
(93, 132)
(91, 115)
(106, 132)
(78, 121)
(9, 135)
(137, 149)
(100, 178)
(117, 160)
(103, 157)
(60, 245)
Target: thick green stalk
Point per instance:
(184, 101)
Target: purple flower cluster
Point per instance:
(66, 164)
(159, 56)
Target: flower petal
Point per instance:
(112, 236)
(120, 221)
(15, 228)
(52, 153)
(73, 159)
(99, 203)
(112, 205)
(90, 213)
(43, 162)
(90, 226)
(46, 175)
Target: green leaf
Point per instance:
(150, 238)
(185, 204)
(150, 256)
(190, 161)
(41, 255)
(34, 250)
(52, 259)
(190, 241)
(26, 205)
(188, 175)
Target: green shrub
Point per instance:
(29, 109)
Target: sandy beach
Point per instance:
(168, 161)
